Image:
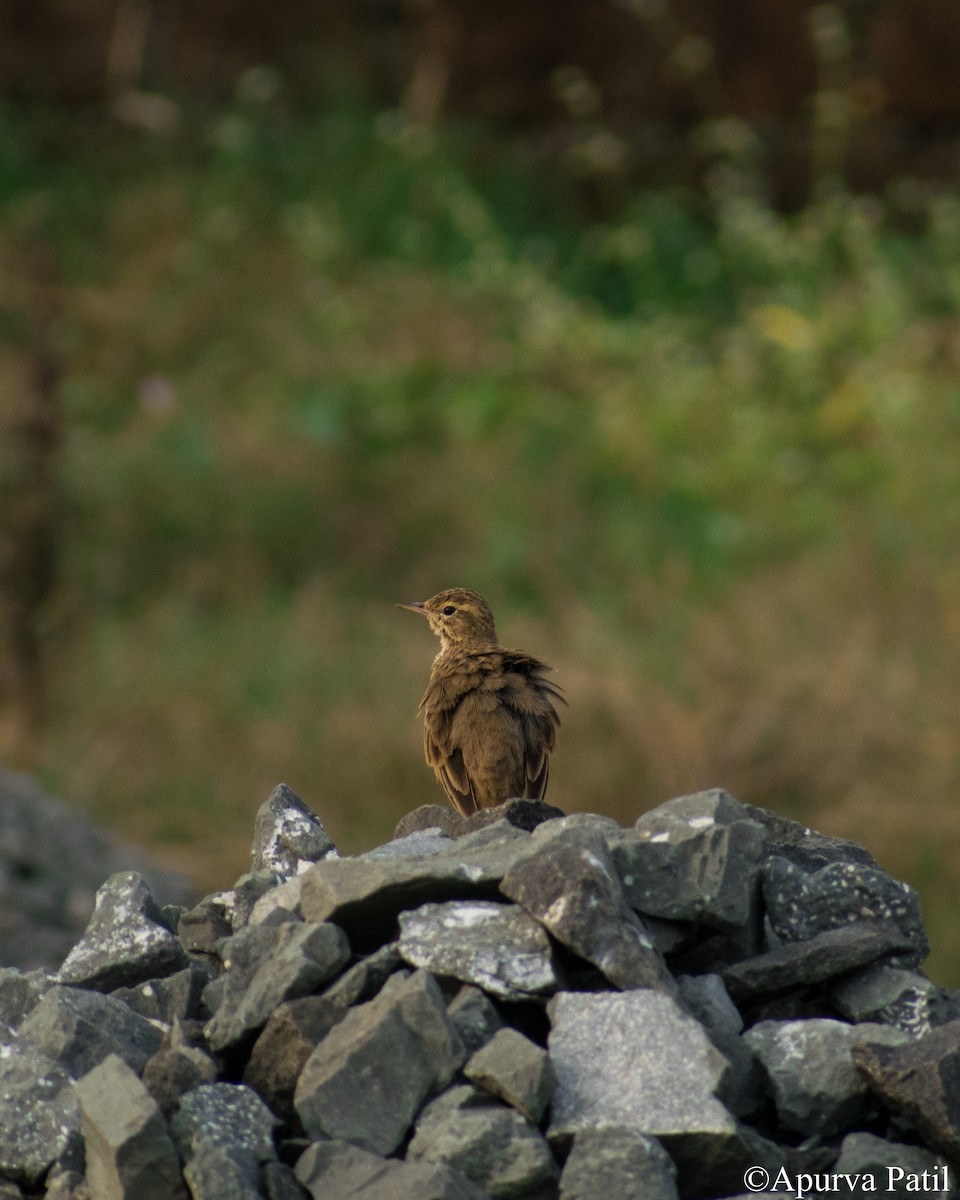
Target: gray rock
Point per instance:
(887, 996)
(420, 844)
(279, 1182)
(38, 1115)
(825, 956)
(706, 997)
(515, 1070)
(696, 858)
(129, 1154)
(246, 893)
(79, 1029)
(635, 1060)
(204, 926)
(224, 1133)
(719, 1166)
(714, 804)
(125, 941)
(175, 998)
(20, 991)
(885, 1162)
(368, 1077)
(298, 958)
(474, 1017)
(334, 1169)
(617, 1164)
(496, 1147)
(287, 1041)
(921, 1080)
(801, 905)
(429, 818)
(64, 1183)
(572, 889)
(365, 978)
(278, 903)
(365, 896)
(497, 946)
(522, 814)
(177, 1068)
(288, 835)
(810, 1068)
(803, 846)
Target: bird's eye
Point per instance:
(448, 610)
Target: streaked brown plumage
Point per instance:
(489, 715)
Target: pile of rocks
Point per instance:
(520, 1006)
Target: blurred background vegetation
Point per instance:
(641, 318)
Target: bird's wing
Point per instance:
(532, 698)
(448, 767)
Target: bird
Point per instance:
(489, 713)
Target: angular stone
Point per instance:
(809, 1065)
(802, 964)
(288, 1039)
(38, 1114)
(299, 958)
(801, 905)
(710, 1165)
(176, 1068)
(697, 858)
(573, 891)
(515, 1070)
(872, 1157)
(204, 926)
(803, 846)
(415, 845)
(279, 1182)
(245, 894)
(365, 978)
(404, 1042)
(279, 903)
(741, 1087)
(520, 812)
(224, 1133)
(888, 996)
(474, 1017)
(175, 998)
(288, 836)
(636, 1060)
(78, 1029)
(62, 1183)
(617, 1164)
(496, 1147)
(20, 991)
(125, 942)
(921, 1080)
(334, 1169)
(497, 946)
(712, 806)
(365, 896)
(129, 1154)
(429, 818)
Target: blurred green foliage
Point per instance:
(700, 454)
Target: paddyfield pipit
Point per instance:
(489, 713)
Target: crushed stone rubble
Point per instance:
(520, 1005)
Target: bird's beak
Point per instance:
(416, 607)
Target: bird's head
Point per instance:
(457, 616)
